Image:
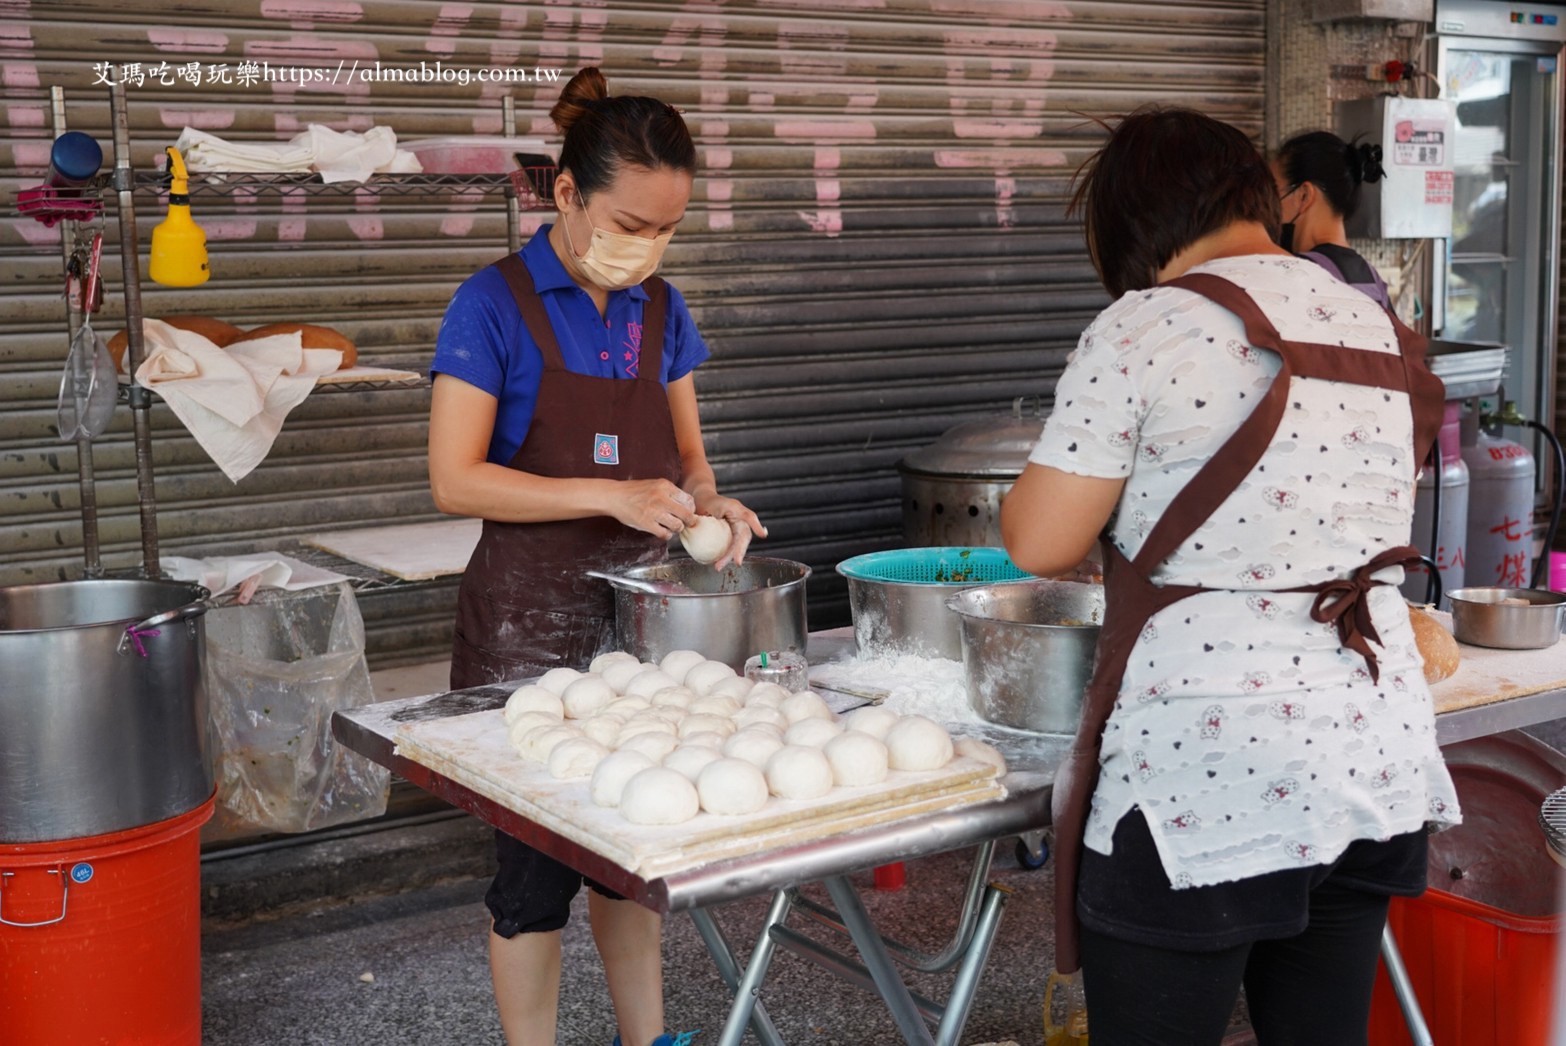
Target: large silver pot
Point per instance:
(100, 731)
(953, 488)
(728, 615)
(1027, 651)
(898, 598)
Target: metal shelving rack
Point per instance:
(527, 188)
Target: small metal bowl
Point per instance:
(1507, 618)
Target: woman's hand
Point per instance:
(742, 523)
(653, 506)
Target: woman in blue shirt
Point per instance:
(564, 415)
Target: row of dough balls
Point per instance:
(662, 742)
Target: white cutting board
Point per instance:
(412, 551)
(474, 751)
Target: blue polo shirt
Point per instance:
(484, 342)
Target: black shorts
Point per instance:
(532, 891)
(1127, 896)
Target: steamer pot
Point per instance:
(953, 488)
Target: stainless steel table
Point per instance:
(370, 730)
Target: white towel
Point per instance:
(339, 156)
(232, 400)
(257, 570)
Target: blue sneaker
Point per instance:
(685, 1038)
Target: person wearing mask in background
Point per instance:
(564, 415)
(1319, 177)
(1257, 757)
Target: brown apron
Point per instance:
(1131, 597)
(524, 606)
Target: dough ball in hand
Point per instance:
(731, 787)
(557, 679)
(679, 662)
(973, 748)
(1436, 645)
(917, 743)
(659, 795)
(856, 759)
(871, 719)
(587, 696)
(612, 772)
(533, 698)
(797, 772)
(707, 539)
(575, 757)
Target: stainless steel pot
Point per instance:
(728, 616)
(952, 489)
(101, 730)
(1494, 617)
(1027, 651)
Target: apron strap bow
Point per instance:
(1342, 601)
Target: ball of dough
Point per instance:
(714, 704)
(973, 748)
(769, 694)
(856, 759)
(749, 715)
(707, 675)
(620, 673)
(689, 759)
(586, 696)
(649, 682)
(707, 539)
(812, 732)
(667, 713)
(557, 679)
(753, 746)
(654, 746)
(705, 739)
(797, 772)
(650, 725)
(527, 721)
(731, 786)
(603, 728)
(696, 724)
(674, 697)
(603, 661)
(540, 741)
(917, 743)
(679, 662)
(807, 704)
(612, 773)
(735, 688)
(659, 795)
(533, 698)
(575, 757)
(871, 719)
(626, 707)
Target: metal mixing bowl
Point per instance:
(1027, 650)
(1493, 617)
(898, 598)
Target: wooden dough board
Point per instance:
(1485, 676)
(412, 551)
(473, 750)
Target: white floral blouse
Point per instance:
(1250, 740)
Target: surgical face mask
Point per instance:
(1286, 232)
(614, 260)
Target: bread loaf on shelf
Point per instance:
(214, 330)
(1436, 645)
(311, 336)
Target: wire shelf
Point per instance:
(360, 577)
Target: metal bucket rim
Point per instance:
(647, 571)
(956, 604)
(196, 592)
(1549, 600)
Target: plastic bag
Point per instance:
(277, 668)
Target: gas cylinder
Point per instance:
(1450, 552)
(1500, 509)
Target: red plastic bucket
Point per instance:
(110, 946)
(1484, 976)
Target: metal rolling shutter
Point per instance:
(876, 247)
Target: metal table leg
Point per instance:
(873, 951)
(747, 992)
(960, 1003)
(1404, 990)
(728, 969)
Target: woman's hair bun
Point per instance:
(584, 89)
(1364, 162)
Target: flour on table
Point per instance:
(934, 687)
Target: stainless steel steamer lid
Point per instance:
(987, 447)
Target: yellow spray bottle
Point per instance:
(179, 247)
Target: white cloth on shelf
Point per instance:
(233, 400)
(218, 574)
(339, 156)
